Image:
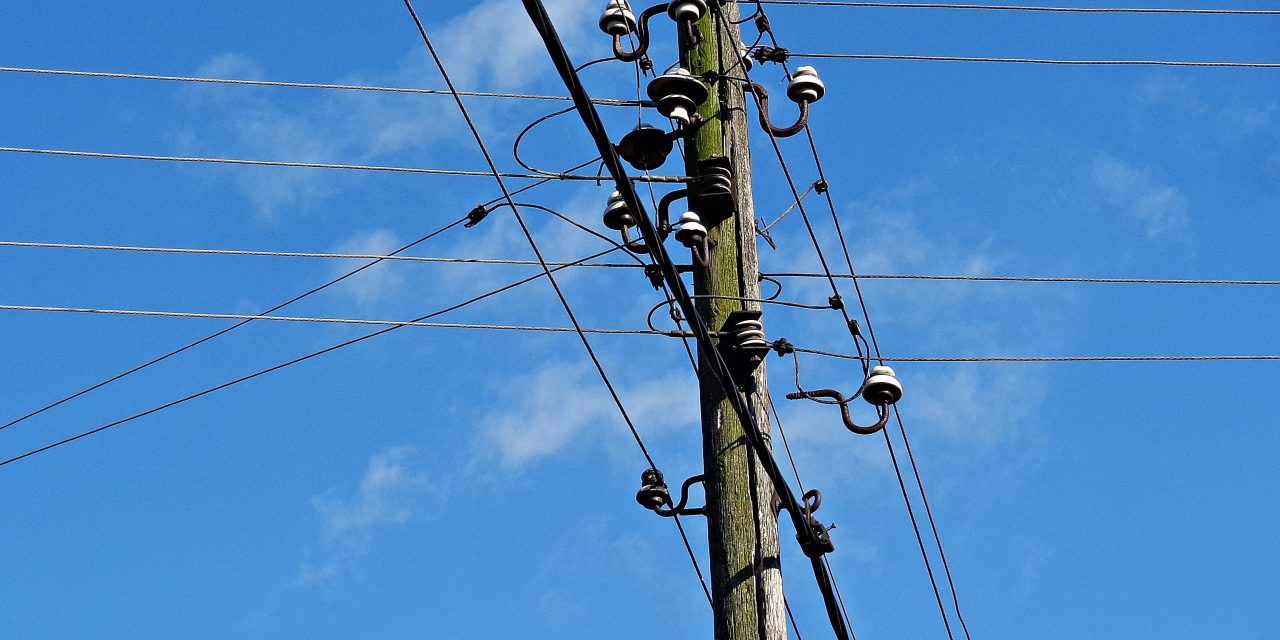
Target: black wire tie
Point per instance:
(782, 347)
(477, 214)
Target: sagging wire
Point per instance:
(825, 190)
(546, 269)
(283, 365)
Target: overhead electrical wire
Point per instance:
(326, 320)
(226, 330)
(306, 85)
(997, 7)
(309, 165)
(856, 334)
(1164, 63)
(715, 366)
(262, 372)
(533, 245)
(1129, 358)
(630, 265)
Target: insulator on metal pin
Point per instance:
(617, 215)
(687, 10)
(677, 94)
(882, 387)
(618, 20)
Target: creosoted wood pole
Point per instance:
(742, 527)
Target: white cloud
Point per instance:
(377, 283)
(559, 402)
(1162, 208)
(384, 498)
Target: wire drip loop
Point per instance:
(882, 410)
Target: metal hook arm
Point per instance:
(664, 210)
(634, 246)
(762, 96)
(642, 34)
(882, 410)
(679, 509)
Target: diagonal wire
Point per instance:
(538, 253)
(277, 367)
(216, 334)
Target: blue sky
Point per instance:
(464, 483)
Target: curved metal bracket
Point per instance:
(634, 246)
(881, 410)
(762, 96)
(642, 34)
(664, 210)
(680, 509)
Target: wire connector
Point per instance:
(765, 53)
(783, 347)
(477, 214)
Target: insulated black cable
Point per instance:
(938, 5)
(307, 85)
(515, 146)
(547, 270)
(876, 346)
(302, 165)
(497, 175)
(281, 365)
(226, 330)
(715, 363)
(1162, 63)
(919, 538)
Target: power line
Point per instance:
(306, 85)
(1166, 63)
(226, 330)
(628, 265)
(991, 7)
(271, 369)
(326, 320)
(1153, 358)
(314, 165)
(586, 344)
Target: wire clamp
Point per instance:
(764, 53)
(836, 302)
(477, 214)
(782, 347)
(655, 496)
(821, 187)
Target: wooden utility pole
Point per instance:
(746, 577)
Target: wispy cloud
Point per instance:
(562, 404)
(384, 498)
(1161, 208)
(378, 283)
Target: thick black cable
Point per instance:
(924, 497)
(991, 7)
(715, 363)
(281, 365)
(497, 175)
(919, 538)
(228, 329)
(920, 58)
(306, 85)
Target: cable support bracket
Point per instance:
(654, 495)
